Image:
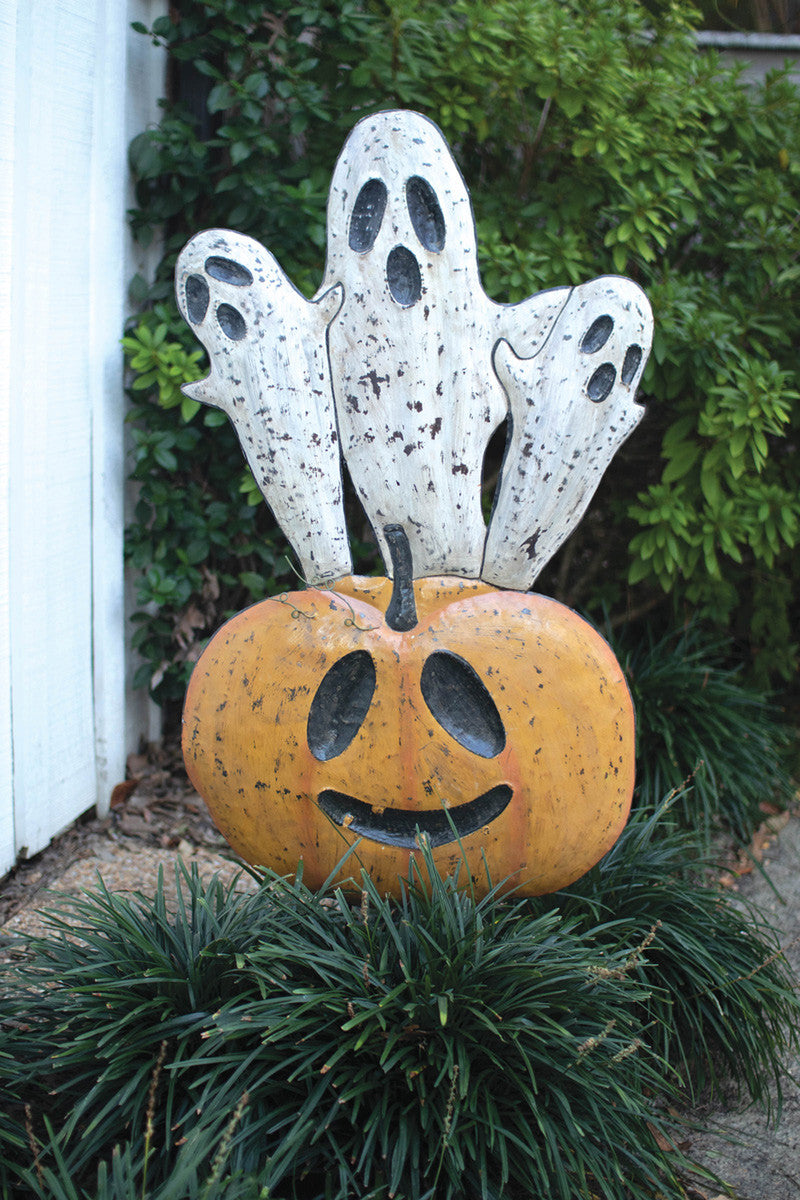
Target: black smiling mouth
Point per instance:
(399, 826)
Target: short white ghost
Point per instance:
(570, 406)
(269, 373)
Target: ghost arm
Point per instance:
(270, 375)
(527, 325)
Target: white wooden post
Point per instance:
(62, 287)
(7, 93)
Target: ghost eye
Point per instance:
(633, 356)
(368, 210)
(227, 270)
(597, 334)
(340, 705)
(461, 704)
(425, 212)
(197, 297)
(600, 385)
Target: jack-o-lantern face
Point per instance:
(500, 724)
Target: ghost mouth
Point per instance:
(403, 276)
(399, 826)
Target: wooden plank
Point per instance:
(145, 76)
(270, 375)
(51, 436)
(411, 348)
(571, 406)
(107, 286)
(8, 23)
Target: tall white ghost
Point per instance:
(417, 399)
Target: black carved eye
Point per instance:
(196, 298)
(425, 212)
(597, 335)
(368, 211)
(340, 705)
(231, 322)
(633, 356)
(600, 385)
(227, 270)
(461, 704)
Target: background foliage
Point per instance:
(594, 139)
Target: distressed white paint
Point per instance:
(269, 374)
(7, 114)
(416, 396)
(571, 405)
(62, 280)
(424, 367)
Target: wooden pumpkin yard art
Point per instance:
(444, 701)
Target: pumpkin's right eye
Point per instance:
(460, 702)
(340, 705)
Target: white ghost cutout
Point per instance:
(571, 407)
(411, 347)
(270, 374)
(404, 365)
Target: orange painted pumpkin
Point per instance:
(498, 719)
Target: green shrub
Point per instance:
(432, 1047)
(595, 139)
(698, 721)
(726, 1005)
(435, 1047)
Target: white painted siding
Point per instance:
(7, 91)
(63, 98)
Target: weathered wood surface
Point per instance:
(411, 347)
(270, 374)
(419, 370)
(571, 407)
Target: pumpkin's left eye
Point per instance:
(340, 705)
(460, 702)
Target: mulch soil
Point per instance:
(155, 807)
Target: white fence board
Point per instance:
(51, 476)
(107, 283)
(64, 100)
(145, 66)
(7, 92)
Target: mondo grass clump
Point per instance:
(292, 1045)
(697, 717)
(727, 1008)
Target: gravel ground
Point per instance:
(757, 1161)
(160, 817)
(155, 818)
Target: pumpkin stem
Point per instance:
(401, 615)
